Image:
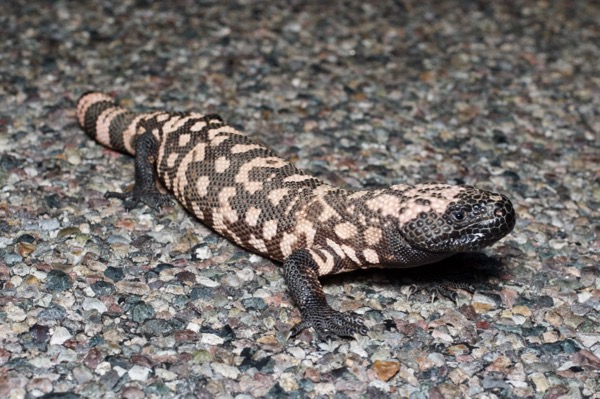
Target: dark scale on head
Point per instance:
(476, 220)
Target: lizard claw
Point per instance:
(329, 323)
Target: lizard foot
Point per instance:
(441, 289)
(329, 323)
(153, 198)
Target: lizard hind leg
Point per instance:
(144, 190)
(301, 275)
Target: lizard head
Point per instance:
(451, 219)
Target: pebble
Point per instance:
(139, 373)
(82, 374)
(385, 370)
(54, 312)
(15, 313)
(94, 304)
(201, 252)
(207, 282)
(114, 273)
(103, 288)
(49, 225)
(482, 304)
(225, 370)
(141, 312)
(12, 259)
(288, 382)
(58, 281)
(254, 303)
(39, 333)
(211, 339)
(60, 336)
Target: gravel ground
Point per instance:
(99, 303)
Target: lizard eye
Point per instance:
(458, 216)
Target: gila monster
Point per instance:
(263, 203)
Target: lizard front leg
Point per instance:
(301, 275)
(144, 190)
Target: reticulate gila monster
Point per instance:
(266, 205)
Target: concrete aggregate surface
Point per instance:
(96, 302)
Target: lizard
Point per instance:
(263, 203)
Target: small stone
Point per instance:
(39, 333)
(385, 370)
(21, 269)
(500, 364)
(154, 327)
(158, 269)
(298, 353)
(12, 259)
(41, 385)
(205, 281)
(288, 382)
(15, 313)
(186, 277)
(588, 339)
(458, 376)
(32, 280)
(25, 238)
(202, 356)
(551, 336)
(521, 310)
(185, 336)
(457, 350)
(15, 281)
(141, 312)
(226, 370)
(255, 258)
(139, 373)
(61, 334)
(68, 231)
(201, 293)
(482, 303)
(103, 288)
(102, 368)
(540, 381)
(132, 393)
(201, 252)
(82, 374)
(73, 156)
(118, 239)
(94, 304)
(246, 274)
(165, 374)
(211, 339)
(93, 358)
(268, 340)
(49, 225)
(114, 273)
(53, 313)
(25, 249)
(132, 287)
(58, 281)
(110, 378)
(254, 303)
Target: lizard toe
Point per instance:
(331, 324)
(152, 198)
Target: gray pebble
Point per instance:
(57, 281)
